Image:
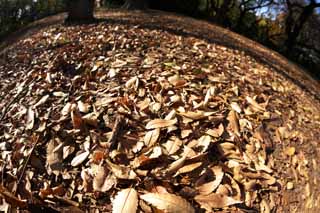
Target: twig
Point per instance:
(117, 128)
(28, 159)
(15, 99)
(12, 199)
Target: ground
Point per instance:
(156, 108)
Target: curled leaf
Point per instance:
(254, 104)
(209, 187)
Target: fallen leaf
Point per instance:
(83, 107)
(173, 145)
(168, 202)
(126, 201)
(101, 181)
(30, 119)
(254, 104)
(235, 106)
(12, 199)
(213, 200)
(54, 157)
(151, 137)
(77, 160)
(77, 121)
(173, 167)
(234, 122)
(121, 172)
(133, 82)
(91, 119)
(217, 132)
(66, 109)
(160, 123)
(188, 168)
(196, 115)
(42, 101)
(209, 187)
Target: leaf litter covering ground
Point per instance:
(115, 118)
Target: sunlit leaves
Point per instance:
(195, 131)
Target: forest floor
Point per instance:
(150, 111)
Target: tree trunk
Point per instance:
(135, 5)
(80, 10)
(294, 27)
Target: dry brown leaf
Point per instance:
(160, 123)
(67, 150)
(236, 192)
(209, 187)
(188, 152)
(91, 119)
(168, 202)
(188, 168)
(254, 104)
(156, 152)
(12, 199)
(126, 201)
(173, 167)
(121, 172)
(83, 107)
(235, 106)
(30, 119)
(234, 122)
(47, 190)
(66, 109)
(54, 157)
(213, 200)
(289, 185)
(175, 80)
(77, 160)
(173, 145)
(101, 181)
(42, 101)
(264, 207)
(77, 121)
(59, 94)
(217, 132)
(204, 142)
(133, 82)
(196, 115)
(142, 105)
(264, 178)
(209, 94)
(151, 137)
(185, 133)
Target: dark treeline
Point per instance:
(291, 27)
(17, 13)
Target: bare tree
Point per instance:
(246, 6)
(297, 15)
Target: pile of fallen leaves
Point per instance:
(123, 119)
